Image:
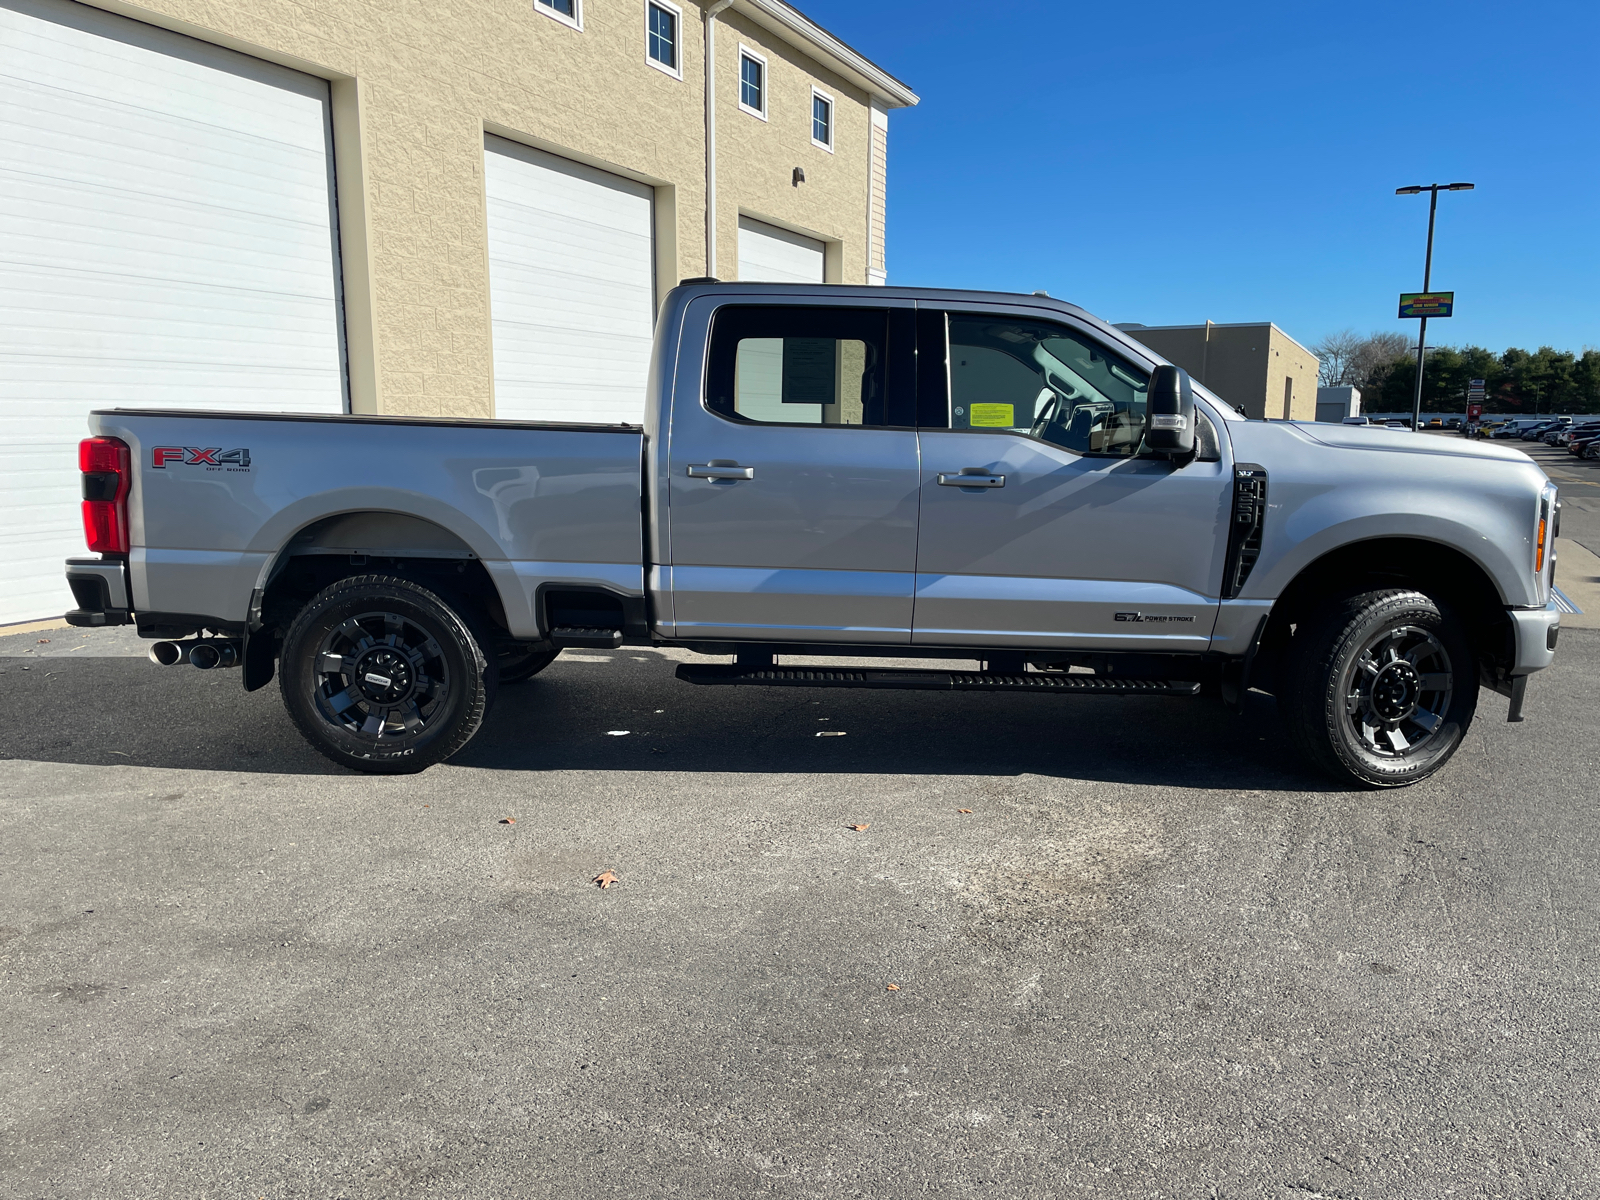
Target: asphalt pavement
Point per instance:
(1158, 957)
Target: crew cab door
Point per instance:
(793, 477)
(1042, 523)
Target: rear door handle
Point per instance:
(716, 471)
(974, 480)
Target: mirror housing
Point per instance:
(1169, 413)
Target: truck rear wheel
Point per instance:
(383, 676)
(1381, 688)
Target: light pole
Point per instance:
(1433, 190)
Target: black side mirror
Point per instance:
(1169, 413)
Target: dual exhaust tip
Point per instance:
(204, 654)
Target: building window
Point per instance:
(821, 119)
(752, 83)
(661, 36)
(568, 12)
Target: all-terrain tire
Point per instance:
(382, 675)
(1381, 687)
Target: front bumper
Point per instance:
(1535, 631)
(100, 586)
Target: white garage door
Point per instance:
(774, 255)
(166, 239)
(571, 287)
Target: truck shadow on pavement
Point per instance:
(629, 713)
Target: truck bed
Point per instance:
(533, 502)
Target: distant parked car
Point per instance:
(1393, 423)
(1453, 423)
(1356, 421)
(1581, 439)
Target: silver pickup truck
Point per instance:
(846, 472)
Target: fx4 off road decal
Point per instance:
(209, 458)
(1146, 618)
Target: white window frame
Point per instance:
(677, 44)
(573, 22)
(833, 119)
(766, 82)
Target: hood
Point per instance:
(1403, 441)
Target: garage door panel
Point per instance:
(127, 311)
(572, 287)
(613, 272)
(167, 237)
(111, 65)
(770, 254)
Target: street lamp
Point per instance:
(1433, 190)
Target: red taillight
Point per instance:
(106, 467)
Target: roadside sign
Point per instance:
(1474, 413)
(1475, 389)
(1426, 304)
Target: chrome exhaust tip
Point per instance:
(166, 654)
(212, 655)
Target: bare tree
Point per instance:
(1336, 354)
(1348, 358)
(1371, 364)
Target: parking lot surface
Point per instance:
(1157, 958)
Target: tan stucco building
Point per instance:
(416, 208)
(1253, 364)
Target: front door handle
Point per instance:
(720, 471)
(972, 477)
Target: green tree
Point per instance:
(1515, 381)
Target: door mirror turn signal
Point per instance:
(1169, 413)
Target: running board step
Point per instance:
(584, 636)
(935, 681)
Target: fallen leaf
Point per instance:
(965, 810)
(44, 641)
(503, 820)
(606, 878)
(891, 987)
(618, 732)
(862, 828)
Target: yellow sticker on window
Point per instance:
(990, 415)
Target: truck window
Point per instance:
(1044, 380)
(798, 366)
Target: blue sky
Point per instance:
(1168, 163)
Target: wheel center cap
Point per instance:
(384, 677)
(1395, 691)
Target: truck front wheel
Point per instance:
(382, 676)
(1381, 688)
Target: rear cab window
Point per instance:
(807, 365)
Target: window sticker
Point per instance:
(992, 415)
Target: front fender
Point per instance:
(1322, 497)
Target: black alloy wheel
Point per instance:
(1382, 688)
(1397, 688)
(383, 676)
